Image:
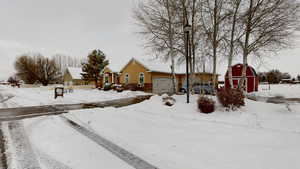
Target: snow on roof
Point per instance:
(157, 65)
(114, 67)
(75, 72)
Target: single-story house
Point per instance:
(251, 82)
(73, 76)
(287, 81)
(155, 76)
(110, 74)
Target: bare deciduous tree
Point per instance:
(37, 68)
(157, 20)
(213, 17)
(234, 6)
(268, 26)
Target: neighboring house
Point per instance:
(287, 81)
(72, 77)
(251, 81)
(4, 83)
(110, 75)
(155, 76)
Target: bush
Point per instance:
(131, 87)
(119, 89)
(231, 98)
(140, 87)
(107, 87)
(206, 105)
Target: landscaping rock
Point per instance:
(168, 100)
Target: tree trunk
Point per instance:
(230, 58)
(246, 46)
(174, 77)
(170, 34)
(215, 42)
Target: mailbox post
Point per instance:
(58, 91)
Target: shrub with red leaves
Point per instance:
(231, 98)
(206, 105)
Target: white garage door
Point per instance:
(162, 85)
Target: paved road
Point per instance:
(118, 151)
(18, 113)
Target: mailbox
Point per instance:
(58, 91)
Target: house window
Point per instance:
(126, 78)
(141, 78)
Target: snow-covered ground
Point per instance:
(257, 136)
(53, 144)
(57, 144)
(284, 90)
(45, 96)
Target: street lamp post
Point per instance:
(187, 30)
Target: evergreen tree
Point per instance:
(96, 62)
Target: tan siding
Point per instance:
(67, 77)
(134, 69)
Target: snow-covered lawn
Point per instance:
(260, 135)
(45, 96)
(257, 136)
(54, 140)
(284, 90)
(55, 144)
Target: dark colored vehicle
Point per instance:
(198, 88)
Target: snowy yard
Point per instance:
(45, 96)
(285, 90)
(258, 136)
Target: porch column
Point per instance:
(112, 78)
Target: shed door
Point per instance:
(236, 82)
(162, 85)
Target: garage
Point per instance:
(162, 85)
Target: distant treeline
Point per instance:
(275, 76)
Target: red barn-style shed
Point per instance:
(251, 81)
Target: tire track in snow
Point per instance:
(45, 159)
(3, 160)
(49, 162)
(26, 156)
(24, 153)
(118, 151)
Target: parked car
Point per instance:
(198, 88)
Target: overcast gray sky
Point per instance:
(74, 28)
